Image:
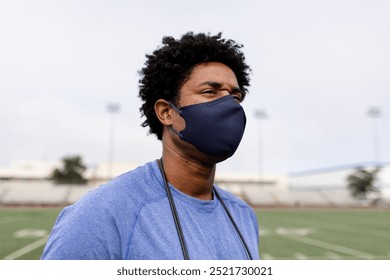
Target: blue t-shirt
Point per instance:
(130, 218)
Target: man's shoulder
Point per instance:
(106, 215)
(239, 207)
(231, 198)
(134, 187)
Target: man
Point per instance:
(169, 208)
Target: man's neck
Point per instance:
(189, 176)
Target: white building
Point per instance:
(26, 182)
(332, 183)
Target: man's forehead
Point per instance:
(212, 72)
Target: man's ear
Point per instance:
(163, 111)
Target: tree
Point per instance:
(71, 171)
(362, 181)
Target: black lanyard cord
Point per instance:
(174, 213)
(248, 253)
(177, 221)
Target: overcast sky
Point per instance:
(318, 66)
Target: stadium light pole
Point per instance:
(112, 109)
(375, 113)
(260, 115)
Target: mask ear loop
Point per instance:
(174, 107)
(179, 111)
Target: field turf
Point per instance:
(285, 233)
(324, 234)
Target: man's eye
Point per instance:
(237, 97)
(209, 91)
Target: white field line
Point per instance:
(332, 256)
(328, 257)
(11, 219)
(329, 246)
(300, 256)
(26, 249)
(267, 257)
(342, 227)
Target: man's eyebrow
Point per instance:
(219, 85)
(211, 83)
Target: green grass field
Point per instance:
(324, 234)
(285, 234)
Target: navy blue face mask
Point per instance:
(215, 127)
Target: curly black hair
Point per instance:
(169, 67)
